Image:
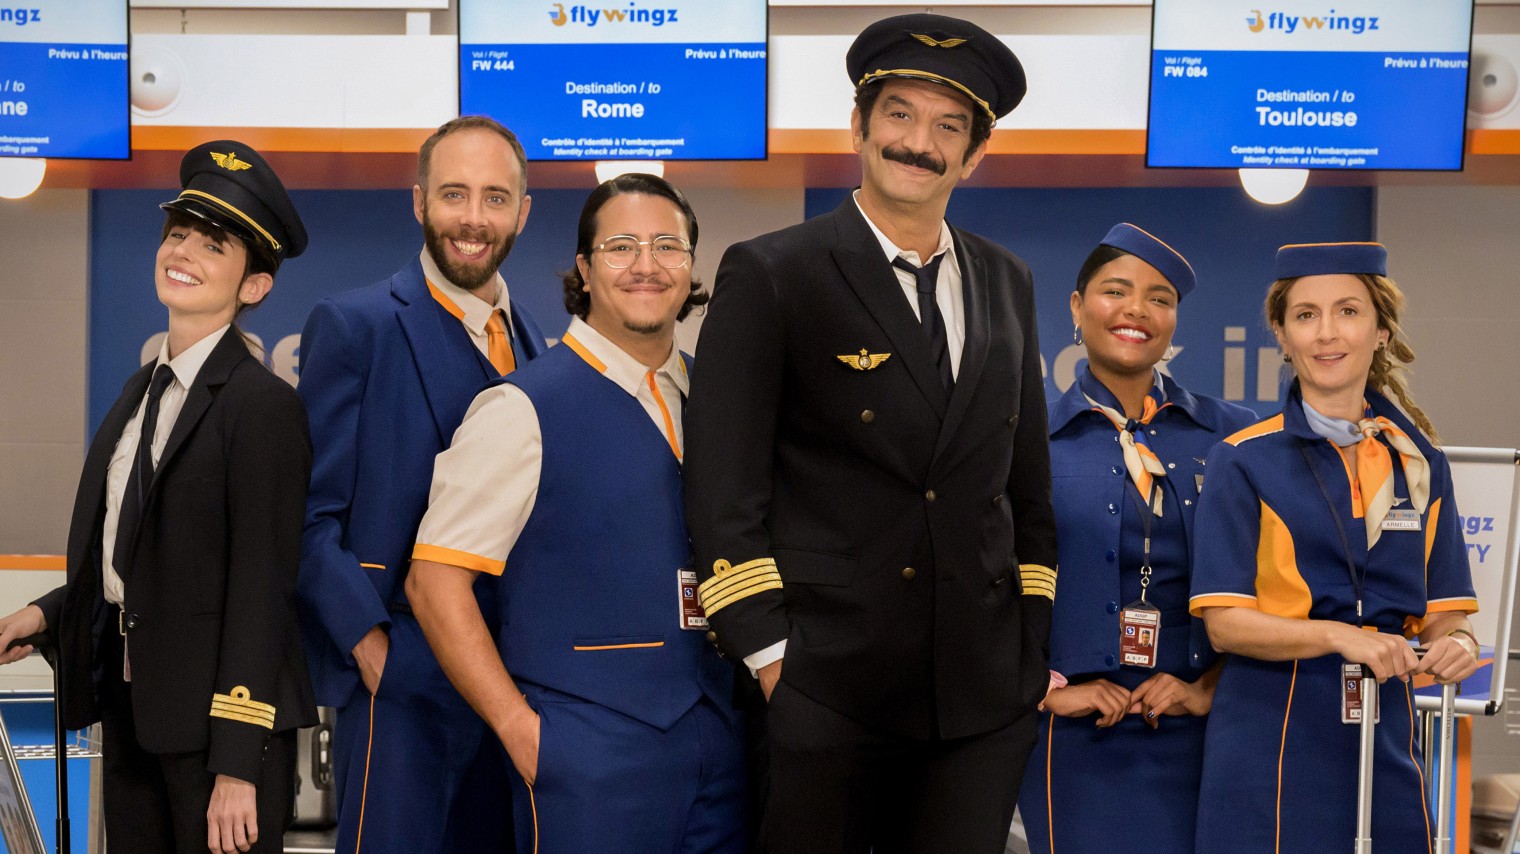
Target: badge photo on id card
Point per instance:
(692, 615)
(1351, 696)
(1139, 634)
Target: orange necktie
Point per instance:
(499, 345)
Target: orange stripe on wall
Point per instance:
(32, 562)
(801, 141)
(1493, 141)
(356, 140)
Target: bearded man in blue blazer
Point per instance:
(387, 374)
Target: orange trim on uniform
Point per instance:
(364, 794)
(1431, 519)
(1280, 587)
(372, 565)
(33, 562)
(580, 350)
(1466, 606)
(1050, 815)
(1220, 600)
(1281, 749)
(533, 807)
(1257, 430)
(454, 557)
(1424, 807)
(618, 646)
(670, 424)
(443, 299)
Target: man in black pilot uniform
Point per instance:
(868, 482)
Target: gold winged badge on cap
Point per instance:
(866, 361)
(931, 41)
(230, 162)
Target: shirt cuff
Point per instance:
(770, 655)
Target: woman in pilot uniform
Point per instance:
(1327, 535)
(1120, 745)
(176, 628)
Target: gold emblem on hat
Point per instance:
(230, 162)
(866, 361)
(931, 41)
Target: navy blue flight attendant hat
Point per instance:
(1154, 251)
(229, 185)
(945, 50)
(1322, 259)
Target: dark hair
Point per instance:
(577, 298)
(425, 153)
(258, 259)
(981, 123)
(1095, 262)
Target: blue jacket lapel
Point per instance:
(449, 365)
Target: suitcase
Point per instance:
(316, 805)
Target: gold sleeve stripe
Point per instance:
(724, 571)
(715, 587)
(454, 557)
(238, 706)
(714, 605)
(1038, 584)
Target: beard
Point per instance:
(470, 276)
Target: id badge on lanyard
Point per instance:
(1140, 621)
(693, 618)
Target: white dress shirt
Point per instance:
(947, 287)
(486, 483)
(476, 310)
(185, 367)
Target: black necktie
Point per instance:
(926, 278)
(142, 473)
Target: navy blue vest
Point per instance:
(589, 598)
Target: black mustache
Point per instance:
(921, 160)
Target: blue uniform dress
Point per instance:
(1090, 789)
(1280, 769)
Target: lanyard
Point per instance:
(1358, 582)
(1145, 526)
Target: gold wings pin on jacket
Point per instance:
(866, 361)
(230, 162)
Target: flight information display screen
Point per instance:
(674, 80)
(63, 80)
(1355, 84)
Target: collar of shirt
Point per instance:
(622, 368)
(890, 249)
(1339, 431)
(188, 364)
(1074, 403)
(476, 311)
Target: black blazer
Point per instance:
(898, 516)
(210, 613)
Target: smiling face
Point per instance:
(1127, 313)
(197, 276)
(473, 206)
(913, 146)
(1329, 330)
(643, 299)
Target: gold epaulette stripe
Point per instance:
(734, 595)
(238, 706)
(715, 587)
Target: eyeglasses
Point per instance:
(622, 251)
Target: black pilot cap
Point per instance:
(229, 185)
(946, 50)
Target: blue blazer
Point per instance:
(387, 375)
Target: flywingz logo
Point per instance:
(591, 17)
(20, 17)
(1290, 24)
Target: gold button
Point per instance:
(867, 416)
(909, 573)
(1013, 419)
(997, 499)
(929, 495)
(712, 637)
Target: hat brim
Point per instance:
(213, 215)
(916, 74)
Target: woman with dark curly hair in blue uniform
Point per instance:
(1127, 445)
(1326, 538)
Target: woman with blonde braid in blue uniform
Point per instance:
(1127, 445)
(1326, 537)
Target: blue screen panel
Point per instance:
(63, 80)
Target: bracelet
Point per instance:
(1476, 648)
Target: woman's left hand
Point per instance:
(1165, 694)
(1450, 659)
(232, 822)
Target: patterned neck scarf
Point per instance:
(1374, 471)
(1139, 460)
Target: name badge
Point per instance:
(1351, 696)
(693, 618)
(1407, 519)
(1139, 634)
